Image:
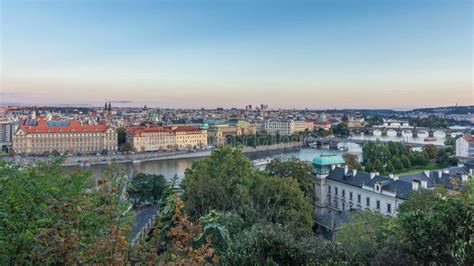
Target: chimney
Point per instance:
(415, 185)
(346, 170)
(372, 175)
(391, 176)
(424, 184)
(427, 173)
(460, 165)
(440, 173)
(354, 172)
(333, 166)
(395, 177)
(470, 171)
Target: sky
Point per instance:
(397, 54)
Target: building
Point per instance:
(287, 127)
(219, 133)
(302, 126)
(339, 188)
(190, 137)
(355, 122)
(37, 136)
(7, 130)
(152, 138)
(465, 147)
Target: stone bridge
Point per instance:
(404, 131)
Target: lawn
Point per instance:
(429, 166)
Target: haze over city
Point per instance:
(298, 54)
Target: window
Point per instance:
(358, 198)
(343, 193)
(335, 191)
(350, 195)
(389, 208)
(368, 202)
(329, 189)
(378, 204)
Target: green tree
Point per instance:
(440, 229)
(378, 166)
(219, 182)
(405, 162)
(369, 167)
(389, 167)
(297, 169)
(121, 136)
(430, 150)
(147, 187)
(396, 163)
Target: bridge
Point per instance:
(332, 142)
(404, 131)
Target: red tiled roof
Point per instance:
(142, 129)
(74, 126)
(187, 129)
(469, 138)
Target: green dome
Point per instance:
(328, 160)
(204, 126)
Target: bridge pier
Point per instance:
(400, 133)
(431, 133)
(414, 133)
(384, 132)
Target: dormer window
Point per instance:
(377, 187)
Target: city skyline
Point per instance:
(316, 55)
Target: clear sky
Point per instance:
(229, 53)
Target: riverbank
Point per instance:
(145, 157)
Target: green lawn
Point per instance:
(429, 166)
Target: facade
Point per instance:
(155, 138)
(302, 126)
(218, 134)
(465, 146)
(340, 189)
(37, 136)
(151, 138)
(190, 137)
(7, 130)
(287, 127)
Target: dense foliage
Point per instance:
(393, 157)
(226, 213)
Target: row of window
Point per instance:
(359, 199)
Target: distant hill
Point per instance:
(448, 110)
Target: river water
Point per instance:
(172, 167)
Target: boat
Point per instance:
(261, 162)
(430, 139)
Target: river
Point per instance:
(172, 167)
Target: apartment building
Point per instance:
(151, 138)
(7, 130)
(190, 137)
(218, 134)
(37, 136)
(287, 127)
(465, 146)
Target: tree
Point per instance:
(389, 168)
(430, 150)
(352, 161)
(439, 230)
(127, 147)
(270, 244)
(378, 166)
(297, 169)
(396, 163)
(147, 187)
(121, 136)
(405, 162)
(219, 182)
(341, 129)
(369, 167)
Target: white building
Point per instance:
(287, 127)
(465, 146)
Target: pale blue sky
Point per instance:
(290, 54)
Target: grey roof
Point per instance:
(402, 187)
